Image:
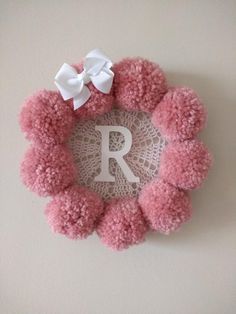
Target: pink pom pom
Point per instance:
(74, 212)
(98, 103)
(186, 164)
(180, 115)
(46, 118)
(164, 206)
(122, 224)
(47, 171)
(139, 84)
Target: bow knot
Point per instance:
(96, 69)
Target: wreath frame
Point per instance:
(163, 204)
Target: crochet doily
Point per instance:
(143, 158)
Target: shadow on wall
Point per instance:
(213, 203)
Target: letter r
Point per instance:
(106, 154)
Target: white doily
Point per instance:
(143, 158)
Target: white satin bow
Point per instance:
(73, 85)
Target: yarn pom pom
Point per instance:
(98, 103)
(74, 212)
(186, 164)
(47, 171)
(180, 115)
(139, 84)
(122, 224)
(165, 207)
(46, 118)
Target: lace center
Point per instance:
(143, 158)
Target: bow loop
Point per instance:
(96, 68)
(102, 81)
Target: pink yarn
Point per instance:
(47, 171)
(98, 103)
(186, 164)
(165, 207)
(139, 84)
(122, 224)
(46, 118)
(74, 212)
(180, 115)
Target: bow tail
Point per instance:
(81, 98)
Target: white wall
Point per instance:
(191, 272)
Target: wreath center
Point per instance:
(117, 153)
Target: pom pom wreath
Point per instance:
(139, 84)
(98, 103)
(47, 171)
(180, 115)
(74, 212)
(122, 224)
(46, 118)
(186, 164)
(164, 206)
